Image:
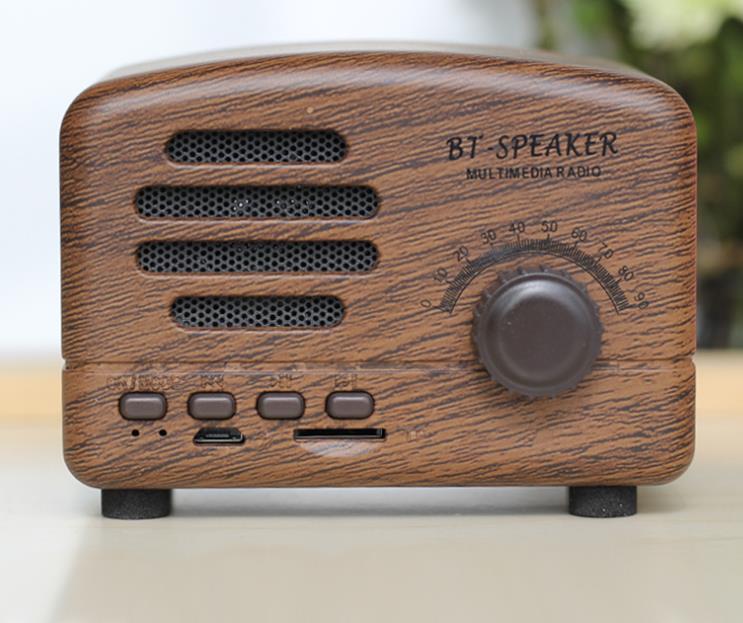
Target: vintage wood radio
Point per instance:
(377, 268)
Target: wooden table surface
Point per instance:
(369, 555)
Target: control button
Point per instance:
(349, 405)
(142, 406)
(211, 406)
(280, 405)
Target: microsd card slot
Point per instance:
(340, 434)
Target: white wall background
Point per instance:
(52, 49)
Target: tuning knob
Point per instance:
(537, 332)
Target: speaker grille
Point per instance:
(257, 202)
(257, 146)
(253, 312)
(336, 256)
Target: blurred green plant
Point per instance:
(696, 46)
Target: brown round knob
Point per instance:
(537, 332)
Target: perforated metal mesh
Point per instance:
(257, 202)
(251, 312)
(332, 256)
(257, 146)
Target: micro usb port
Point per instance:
(213, 435)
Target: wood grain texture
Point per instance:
(445, 426)
(630, 421)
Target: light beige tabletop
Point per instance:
(369, 555)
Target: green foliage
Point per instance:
(704, 63)
(591, 15)
(709, 75)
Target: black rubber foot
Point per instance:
(602, 501)
(135, 503)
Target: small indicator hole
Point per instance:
(135, 433)
(162, 432)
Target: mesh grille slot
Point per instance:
(257, 202)
(253, 312)
(342, 256)
(257, 146)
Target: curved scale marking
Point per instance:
(544, 246)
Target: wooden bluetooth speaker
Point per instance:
(373, 268)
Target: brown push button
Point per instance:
(211, 406)
(142, 406)
(280, 405)
(349, 405)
